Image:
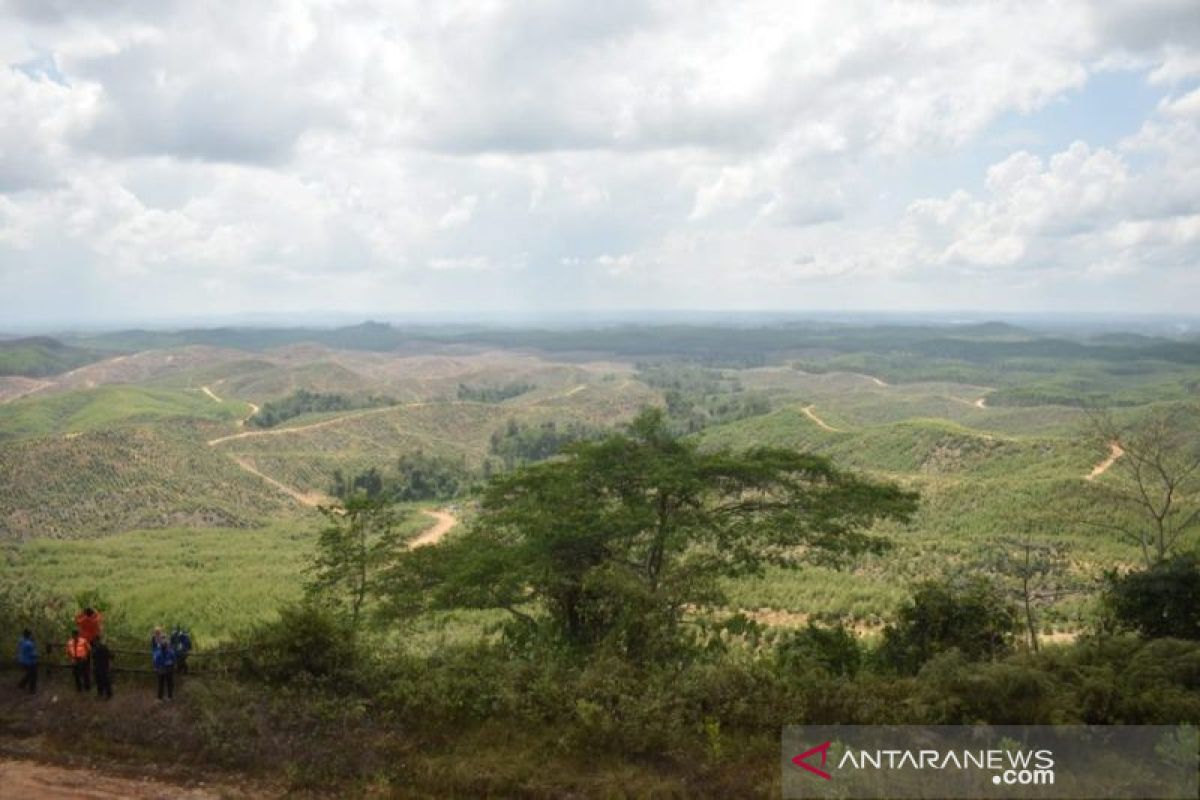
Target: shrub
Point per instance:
(835, 650)
(307, 643)
(1163, 600)
(972, 617)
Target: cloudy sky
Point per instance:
(185, 158)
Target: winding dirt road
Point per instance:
(808, 412)
(443, 522)
(1115, 451)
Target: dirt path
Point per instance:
(30, 779)
(981, 403)
(211, 394)
(254, 409)
(808, 412)
(443, 522)
(312, 500)
(1114, 453)
(309, 427)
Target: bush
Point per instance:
(836, 650)
(972, 617)
(1161, 601)
(308, 643)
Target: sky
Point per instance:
(185, 159)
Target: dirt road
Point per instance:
(211, 394)
(1114, 453)
(325, 423)
(808, 412)
(311, 499)
(29, 779)
(443, 522)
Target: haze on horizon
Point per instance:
(213, 160)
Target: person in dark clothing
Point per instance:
(164, 667)
(27, 657)
(79, 653)
(101, 668)
(183, 648)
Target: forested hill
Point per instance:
(976, 343)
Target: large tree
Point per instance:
(617, 538)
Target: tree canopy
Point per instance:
(615, 540)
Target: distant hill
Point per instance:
(39, 356)
(974, 350)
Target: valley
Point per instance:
(161, 439)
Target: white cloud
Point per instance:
(626, 153)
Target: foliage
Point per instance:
(520, 443)
(971, 616)
(615, 540)
(302, 401)
(359, 539)
(835, 649)
(309, 642)
(422, 476)
(1162, 600)
(697, 397)
(493, 394)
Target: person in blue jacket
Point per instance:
(27, 657)
(164, 667)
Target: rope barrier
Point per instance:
(51, 665)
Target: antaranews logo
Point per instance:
(802, 760)
(1012, 766)
(865, 762)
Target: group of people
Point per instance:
(91, 658)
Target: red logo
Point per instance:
(800, 760)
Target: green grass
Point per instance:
(40, 356)
(216, 581)
(105, 408)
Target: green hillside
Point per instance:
(107, 407)
(37, 357)
(123, 479)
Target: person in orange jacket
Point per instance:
(90, 623)
(79, 652)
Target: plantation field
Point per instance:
(215, 581)
(141, 465)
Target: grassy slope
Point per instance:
(217, 581)
(133, 477)
(40, 356)
(106, 408)
(976, 486)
